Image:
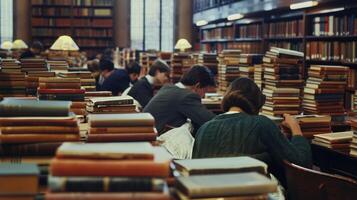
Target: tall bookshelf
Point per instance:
(326, 34)
(88, 22)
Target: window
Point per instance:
(152, 24)
(6, 20)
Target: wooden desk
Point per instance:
(213, 105)
(333, 161)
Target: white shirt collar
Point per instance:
(150, 79)
(180, 85)
(231, 112)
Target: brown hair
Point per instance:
(245, 94)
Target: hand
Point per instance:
(291, 123)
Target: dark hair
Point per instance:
(160, 65)
(37, 45)
(133, 68)
(105, 64)
(198, 74)
(245, 94)
(107, 54)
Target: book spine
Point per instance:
(39, 129)
(117, 130)
(39, 149)
(64, 97)
(50, 85)
(130, 168)
(108, 196)
(122, 137)
(105, 184)
(28, 138)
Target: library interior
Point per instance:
(178, 99)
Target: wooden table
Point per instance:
(333, 161)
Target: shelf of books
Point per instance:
(88, 22)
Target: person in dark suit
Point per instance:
(174, 104)
(143, 90)
(34, 51)
(133, 69)
(115, 80)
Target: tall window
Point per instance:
(6, 20)
(152, 24)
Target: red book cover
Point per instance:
(121, 137)
(108, 196)
(61, 91)
(91, 167)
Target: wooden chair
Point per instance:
(306, 184)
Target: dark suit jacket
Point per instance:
(117, 82)
(142, 91)
(172, 105)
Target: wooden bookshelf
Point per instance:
(89, 22)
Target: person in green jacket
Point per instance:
(241, 131)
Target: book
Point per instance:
(18, 179)
(122, 137)
(34, 138)
(119, 130)
(69, 120)
(121, 120)
(132, 150)
(19, 107)
(100, 167)
(338, 137)
(105, 184)
(108, 196)
(219, 165)
(39, 129)
(36, 149)
(225, 185)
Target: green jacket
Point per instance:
(257, 136)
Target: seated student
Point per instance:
(114, 80)
(133, 69)
(241, 131)
(143, 90)
(174, 104)
(34, 51)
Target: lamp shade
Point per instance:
(19, 44)
(182, 44)
(6, 45)
(65, 43)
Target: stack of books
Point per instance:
(87, 80)
(353, 147)
(121, 127)
(165, 56)
(143, 61)
(228, 68)
(90, 94)
(283, 80)
(33, 64)
(246, 64)
(31, 126)
(68, 89)
(116, 104)
(10, 65)
(79, 108)
(12, 84)
(242, 178)
(338, 141)
(209, 60)
(313, 124)
(32, 81)
(58, 65)
(18, 181)
(258, 75)
(180, 64)
(325, 90)
(133, 170)
(151, 57)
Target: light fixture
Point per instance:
(331, 10)
(19, 44)
(305, 4)
(201, 23)
(65, 43)
(235, 16)
(7, 45)
(182, 44)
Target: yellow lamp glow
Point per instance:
(19, 44)
(182, 44)
(65, 43)
(6, 45)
